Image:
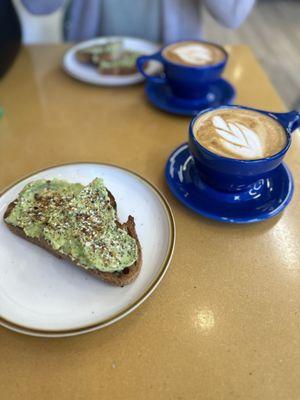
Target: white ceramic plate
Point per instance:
(89, 74)
(44, 296)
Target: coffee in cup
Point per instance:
(240, 133)
(228, 168)
(190, 68)
(194, 53)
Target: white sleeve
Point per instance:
(230, 13)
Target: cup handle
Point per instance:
(140, 62)
(290, 120)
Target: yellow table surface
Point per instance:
(225, 321)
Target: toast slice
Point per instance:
(125, 64)
(119, 278)
(93, 54)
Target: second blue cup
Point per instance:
(186, 81)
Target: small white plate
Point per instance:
(43, 296)
(89, 74)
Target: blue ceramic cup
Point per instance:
(189, 82)
(235, 175)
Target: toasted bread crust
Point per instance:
(118, 71)
(83, 57)
(126, 276)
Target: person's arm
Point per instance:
(230, 13)
(42, 7)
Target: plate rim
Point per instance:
(134, 304)
(135, 78)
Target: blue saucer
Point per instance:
(221, 92)
(267, 198)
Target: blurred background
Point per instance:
(272, 31)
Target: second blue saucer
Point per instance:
(160, 95)
(265, 199)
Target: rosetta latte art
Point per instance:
(238, 139)
(239, 133)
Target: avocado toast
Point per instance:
(111, 58)
(78, 223)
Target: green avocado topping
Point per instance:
(77, 221)
(126, 60)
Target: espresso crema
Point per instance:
(239, 133)
(193, 53)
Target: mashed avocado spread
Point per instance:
(76, 220)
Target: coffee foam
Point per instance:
(241, 134)
(194, 53)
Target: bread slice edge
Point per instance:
(122, 278)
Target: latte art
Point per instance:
(238, 139)
(239, 133)
(194, 53)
